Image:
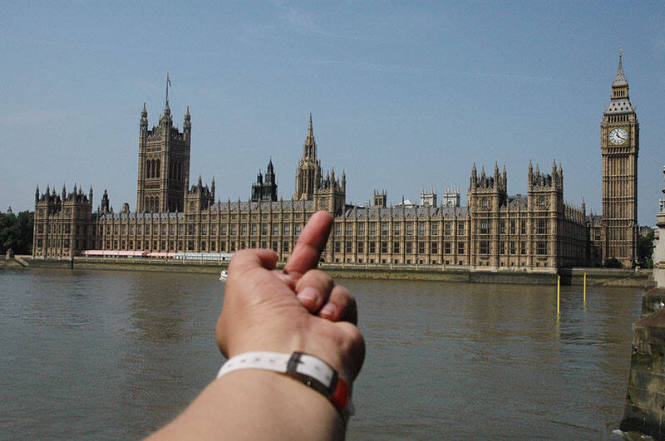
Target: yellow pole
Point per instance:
(558, 295)
(585, 289)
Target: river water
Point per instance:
(93, 355)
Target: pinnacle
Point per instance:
(620, 78)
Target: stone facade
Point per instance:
(619, 144)
(537, 231)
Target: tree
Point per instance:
(613, 262)
(16, 232)
(645, 249)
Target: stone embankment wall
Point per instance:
(645, 400)
(595, 276)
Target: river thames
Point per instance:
(92, 355)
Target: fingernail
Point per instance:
(308, 293)
(329, 310)
(286, 279)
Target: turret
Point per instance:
(187, 125)
(144, 119)
(105, 202)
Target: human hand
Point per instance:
(299, 309)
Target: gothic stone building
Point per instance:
(537, 231)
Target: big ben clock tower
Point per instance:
(619, 145)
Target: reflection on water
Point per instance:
(90, 355)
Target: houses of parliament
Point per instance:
(495, 231)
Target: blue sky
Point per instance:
(404, 95)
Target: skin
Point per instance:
(299, 309)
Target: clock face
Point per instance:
(618, 136)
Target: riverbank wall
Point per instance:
(644, 411)
(440, 273)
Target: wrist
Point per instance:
(306, 369)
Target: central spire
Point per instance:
(309, 150)
(620, 78)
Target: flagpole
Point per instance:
(167, 88)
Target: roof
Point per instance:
(416, 212)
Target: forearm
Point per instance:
(256, 405)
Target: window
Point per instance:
(190, 228)
(421, 228)
(338, 247)
(409, 229)
(359, 247)
(298, 229)
(447, 229)
(484, 226)
(384, 247)
(484, 247)
(512, 227)
(396, 247)
(523, 227)
(384, 228)
(338, 229)
(361, 228)
(264, 229)
(396, 229)
(512, 247)
(523, 248)
(460, 249)
(541, 248)
(254, 229)
(243, 230)
(460, 229)
(372, 228)
(541, 226)
(349, 246)
(421, 247)
(287, 229)
(409, 247)
(204, 230)
(234, 230)
(446, 247)
(285, 247)
(372, 247)
(275, 230)
(349, 229)
(503, 227)
(213, 230)
(435, 229)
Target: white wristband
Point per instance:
(310, 370)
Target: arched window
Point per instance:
(157, 168)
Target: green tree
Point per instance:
(16, 232)
(613, 262)
(645, 250)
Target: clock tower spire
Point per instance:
(619, 145)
